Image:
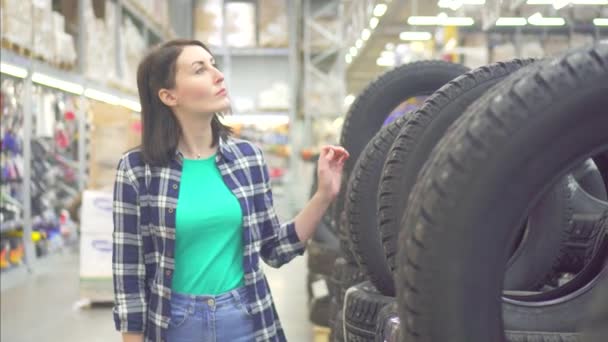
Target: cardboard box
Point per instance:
(96, 214)
(96, 255)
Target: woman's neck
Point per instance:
(197, 136)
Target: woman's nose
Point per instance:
(219, 78)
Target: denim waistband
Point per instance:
(218, 299)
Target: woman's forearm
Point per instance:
(132, 337)
(309, 218)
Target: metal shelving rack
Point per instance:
(153, 31)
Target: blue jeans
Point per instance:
(220, 318)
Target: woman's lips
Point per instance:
(222, 92)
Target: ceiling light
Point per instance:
(13, 70)
(389, 46)
(559, 4)
(537, 19)
(349, 99)
(132, 105)
(101, 96)
(600, 21)
(589, 2)
(373, 22)
(52, 82)
(365, 34)
(353, 51)
(451, 4)
(415, 36)
(387, 54)
(386, 62)
(458, 21)
(380, 9)
(348, 58)
(441, 19)
(511, 21)
(422, 20)
(358, 43)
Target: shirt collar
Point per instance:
(225, 147)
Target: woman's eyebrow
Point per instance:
(198, 62)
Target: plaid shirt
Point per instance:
(145, 200)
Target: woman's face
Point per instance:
(199, 85)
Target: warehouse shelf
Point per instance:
(11, 225)
(142, 15)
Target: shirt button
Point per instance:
(174, 186)
(211, 302)
(170, 210)
(168, 273)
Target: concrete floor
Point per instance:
(42, 305)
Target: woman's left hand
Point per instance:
(329, 171)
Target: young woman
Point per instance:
(193, 212)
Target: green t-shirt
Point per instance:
(209, 226)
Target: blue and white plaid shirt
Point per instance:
(145, 201)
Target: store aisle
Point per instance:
(42, 306)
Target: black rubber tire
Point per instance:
(361, 204)
(533, 129)
(375, 103)
(321, 258)
(590, 179)
(388, 326)
(537, 255)
(362, 304)
(578, 248)
(320, 311)
(346, 275)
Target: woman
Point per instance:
(193, 212)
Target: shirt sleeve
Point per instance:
(128, 266)
(284, 244)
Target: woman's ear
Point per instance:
(167, 97)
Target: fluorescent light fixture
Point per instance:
(132, 105)
(56, 83)
(387, 54)
(422, 21)
(537, 19)
(349, 99)
(365, 34)
(373, 22)
(589, 2)
(348, 58)
(353, 51)
(358, 43)
(13, 70)
(511, 21)
(415, 36)
(380, 9)
(559, 4)
(456, 4)
(385, 62)
(458, 21)
(600, 21)
(441, 20)
(101, 96)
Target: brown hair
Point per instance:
(160, 129)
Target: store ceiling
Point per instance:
(364, 69)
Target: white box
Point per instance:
(96, 214)
(96, 255)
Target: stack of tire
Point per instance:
(482, 215)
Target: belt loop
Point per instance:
(236, 295)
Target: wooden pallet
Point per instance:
(20, 50)
(320, 334)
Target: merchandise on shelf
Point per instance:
(157, 10)
(208, 22)
(133, 49)
(273, 23)
(11, 154)
(17, 28)
(274, 99)
(240, 24)
(99, 32)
